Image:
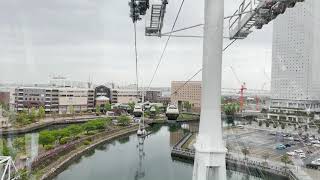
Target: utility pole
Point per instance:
(210, 150)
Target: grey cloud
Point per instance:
(81, 38)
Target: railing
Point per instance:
(238, 13)
(257, 164)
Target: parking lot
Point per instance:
(261, 142)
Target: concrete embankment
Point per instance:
(73, 156)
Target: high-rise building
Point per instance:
(296, 58)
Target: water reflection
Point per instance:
(140, 173)
(151, 160)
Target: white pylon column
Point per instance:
(210, 161)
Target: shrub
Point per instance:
(46, 137)
(91, 133)
(124, 120)
(48, 147)
(64, 140)
(87, 142)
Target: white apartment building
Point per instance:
(61, 100)
(295, 73)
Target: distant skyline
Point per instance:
(94, 39)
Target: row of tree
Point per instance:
(48, 138)
(27, 117)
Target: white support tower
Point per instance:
(210, 150)
(7, 168)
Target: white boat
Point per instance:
(141, 132)
(153, 112)
(172, 112)
(137, 111)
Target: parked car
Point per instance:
(316, 162)
(316, 145)
(291, 153)
(289, 138)
(287, 145)
(298, 151)
(302, 155)
(280, 147)
(296, 139)
(240, 126)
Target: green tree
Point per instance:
(230, 109)
(46, 138)
(98, 109)
(89, 126)
(123, 120)
(131, 105)
(60, 134)
(285, 159)
(32, 115)
(23, 118)
(187, 105)
(99, 124)
(41, 113)
(107, 106)
(19, 143)
(4, 148)
(245, 151)
(74, 130)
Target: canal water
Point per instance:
(131, 159)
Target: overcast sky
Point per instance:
(94, 38)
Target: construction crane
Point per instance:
(242, 89)
(241, 100)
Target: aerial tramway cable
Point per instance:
(193, 76)
(166, 44)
